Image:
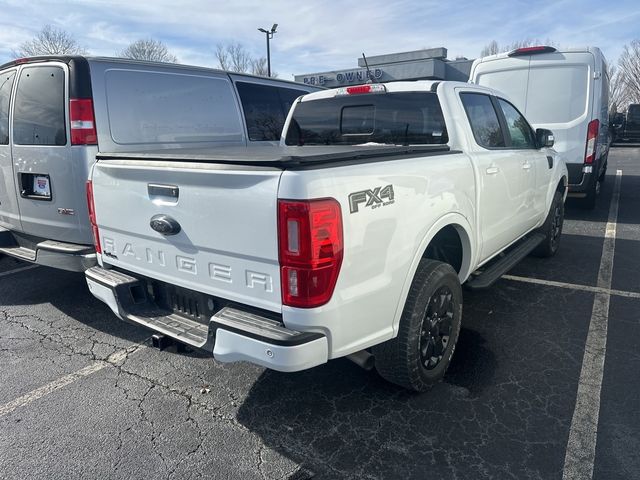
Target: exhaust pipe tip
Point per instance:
(363, 359)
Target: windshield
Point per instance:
(387, 118)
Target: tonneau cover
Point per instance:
(287, 156)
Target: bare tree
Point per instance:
(259, 67)
(50, 41)
(234, 57)
(150, 50)
(629, 71)
(490, 49)
(618, 96)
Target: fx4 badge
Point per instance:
(378, 197)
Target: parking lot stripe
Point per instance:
(62, 382)
(18, 270)
(581, 445)
(572, 286)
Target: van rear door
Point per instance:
(43, 169)
(9, 212)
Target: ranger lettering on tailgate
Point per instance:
(216, 271)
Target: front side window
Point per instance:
(518, 128)
(6, 83)
(402, 118)
(38, 117)
(483, 120)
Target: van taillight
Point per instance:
(92, 217)
(311, 249)
(592, 141)
(83, 125)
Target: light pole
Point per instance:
(269, 34)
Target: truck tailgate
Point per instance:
(222, 218)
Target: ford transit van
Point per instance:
(58, 112)
(565, 91)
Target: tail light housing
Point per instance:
(83, 124)
(531, 50)
(92, 217)
(310, 250)
(592, 141)
(360, 89)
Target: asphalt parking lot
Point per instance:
(83, 395)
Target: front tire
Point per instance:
(552, 229)
(429, 328)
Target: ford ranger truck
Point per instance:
(352, 239)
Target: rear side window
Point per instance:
(265, 108)
(164, 108)
(6, 83)
(483, 119)
(38, 117)
(518, 128)
(387, 118)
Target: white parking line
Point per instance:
(18, 270)
(572, 286)
(581, 446)
(61, 382)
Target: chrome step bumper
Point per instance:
(230, 334)
(50, 253)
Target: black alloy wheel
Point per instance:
(436, 327)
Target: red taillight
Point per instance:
(531, 50)
(92, 217)
(83, 125)
(311, 246)
(592, 141)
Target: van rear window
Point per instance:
(39, 117)
(549, 101)
(165, 108)
(390, 118)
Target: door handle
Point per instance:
(492, 170)
(526, 166)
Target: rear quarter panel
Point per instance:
(382, 244)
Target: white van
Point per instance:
(565, 91)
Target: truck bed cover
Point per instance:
(282, 157)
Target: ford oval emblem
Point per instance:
(164, 224)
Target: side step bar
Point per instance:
(503, 264)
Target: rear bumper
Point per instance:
(581, 178)
(50, 253)
(231, 333)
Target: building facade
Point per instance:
(427, 64)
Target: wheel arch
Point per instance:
(441, 230)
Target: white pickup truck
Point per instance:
(351, 239)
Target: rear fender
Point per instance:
(463, 227)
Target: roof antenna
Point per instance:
(372, 78)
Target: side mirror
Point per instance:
(544, 138)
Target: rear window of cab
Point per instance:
(402, 118)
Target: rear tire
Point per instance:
(429, 328)
(552, 229)
(589, 202)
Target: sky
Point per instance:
(317, 36)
